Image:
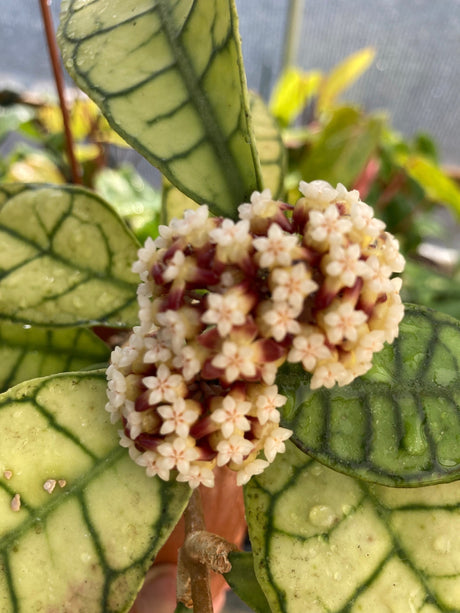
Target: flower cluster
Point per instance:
(223, 304)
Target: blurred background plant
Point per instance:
(39, 155)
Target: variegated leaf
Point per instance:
(181, 104)
(397, 425)
(324, 542)
(65, 258)
(79, 521)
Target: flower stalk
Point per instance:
(201, 552)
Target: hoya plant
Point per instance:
(255, 336)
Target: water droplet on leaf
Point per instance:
(442, 544)
(322, 516)
(414, 440)
(317, 470)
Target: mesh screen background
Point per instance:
(416, 75)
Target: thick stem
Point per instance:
(59, 80)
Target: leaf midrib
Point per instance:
(217, 139)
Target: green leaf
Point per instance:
(33, 167)
(87, 545)
(270, 147)
(174, 202)
(343, 76)
(272, 156)
(181, 104)
(65, 258)
(436, 184)
(430, 288)
(133, 199)
(27, 353)
(243, 581)
(399, 424)
(327, 543)
(293, 92)
(343, 148)
(12, 117)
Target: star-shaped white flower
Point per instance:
(309, 348)
(178, 454)
(349, 197)
(343, 323)
(261, 205)
(175, 264)
(164, 386)
(224, 311)
(252, 468)
(395, 311)
(230, 232)
(318, 192)
(234, 449)
(328, 225)
(268, 372)
(362, 217)
(193, 219)
(178, 417)
(274, 443)
(345, 264)
(369, 343)
(197, 475)
(116, 392)
(146, 255)
(173, 328)
(391, 254)
(188, 362)
(267, 405)
(124, 356)
(154, 465)
(128, 444)
(292, 285)
(145, 311)
(328, 375)
(276, 248)
(282, 320)
(158, 350)
(231, 415)
(235, 360)
(377, 275)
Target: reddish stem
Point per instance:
(59, 80)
